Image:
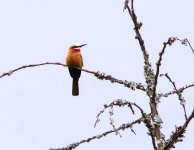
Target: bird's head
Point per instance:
(76, 47)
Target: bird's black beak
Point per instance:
(77, 46)
(83, 45)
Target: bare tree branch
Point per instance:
(148, 71)
(185, 42)
(158, 64)
(170, 41)
(181, 98)
(174, 91)
(136, 28)
(118, 102)
(146, 118)
(190, 45)
(178, 134)
(129, 84)
(122, 127)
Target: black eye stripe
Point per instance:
(74, 46)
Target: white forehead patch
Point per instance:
(76, 44)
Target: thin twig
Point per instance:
(158, 64)
(146, 119)
(41, 64)
(170, 41)
(32, 65)
(190, 45)
(182, 100)
(174, 91)
(136, 28)
(119, 103)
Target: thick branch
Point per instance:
(148, 71)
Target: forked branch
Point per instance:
(181, 98)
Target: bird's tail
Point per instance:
(75, 87)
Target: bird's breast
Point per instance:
(74, 60)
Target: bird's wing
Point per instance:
(82, 60)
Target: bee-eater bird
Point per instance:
(74, 59)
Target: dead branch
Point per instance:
(178, 134)
(174, 91)
(129, 84)
(122, 127)
(120, 103)
(181, 98)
